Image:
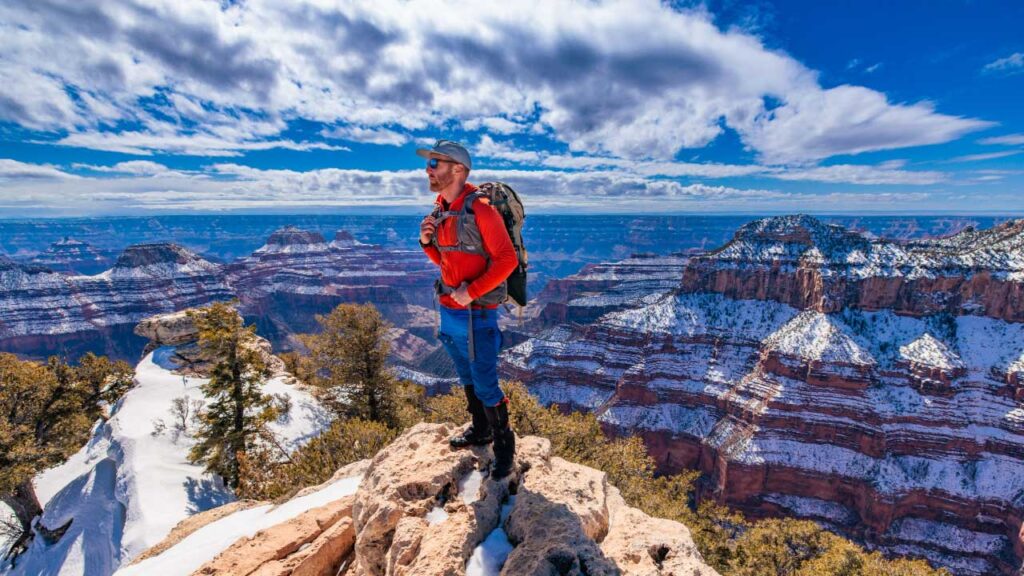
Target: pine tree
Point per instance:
(238, 409)
(349, 364)
(105, 382)
(46, 414)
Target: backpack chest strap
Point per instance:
(467, 233)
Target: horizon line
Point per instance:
(364, 212)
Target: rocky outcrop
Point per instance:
(899, 428)
(425, 509)
(172, 329)
(176, 329)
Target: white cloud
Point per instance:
(985, 156)
(890, 172)
(652, 168)
(148, 143)
(134, 167)
(1012, 64)
(631, 79)
(1008, 139)
(34, 190)
(368, 135)
(848, 120)
(13, 170)
(861, 174)
(488, 148)
(495, 125)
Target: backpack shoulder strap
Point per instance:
(467, 205)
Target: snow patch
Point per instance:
(490, 555)
(206, 543)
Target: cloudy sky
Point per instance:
(182, 106)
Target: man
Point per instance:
(467, 238)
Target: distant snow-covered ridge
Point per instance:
(803, 262)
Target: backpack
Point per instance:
(505, 200)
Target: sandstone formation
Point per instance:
(44, 312)
(281, 288)
(601, 288)
(893, 417)
(424, 509)
(800, 261)
(298, 274)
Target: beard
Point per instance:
(440, 182)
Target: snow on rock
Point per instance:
(816, 336)
(665, 417)
(930, 352)
(129, 486)
(291, 239)
(489, 556)
(400, 515)
(809, 370)
(207, 542)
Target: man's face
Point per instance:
(442, 176)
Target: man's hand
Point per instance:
(427, 227)
(462, 295)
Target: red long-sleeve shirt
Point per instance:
(459, 267)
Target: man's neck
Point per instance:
(451, 193)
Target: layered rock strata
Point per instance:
(601, 288)
(298, 274)
(803, 262)
(901, 427)
(281, 287)
(72, 256)
(44, 312)
(425, 509)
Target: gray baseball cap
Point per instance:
(448, 149)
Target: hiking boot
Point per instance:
(479, 431)
(504, 441)
(470, 438)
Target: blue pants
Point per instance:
(482, 372)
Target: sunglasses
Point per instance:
(433, 162)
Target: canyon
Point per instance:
(280, 287)
(871, 385)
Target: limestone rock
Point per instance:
(406, 481)
(177, 329)
(872, 386)
(171, 329)
(422, 509)
(642, 545)
(285, 547)
(193, 523)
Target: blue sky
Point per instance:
(173, 106)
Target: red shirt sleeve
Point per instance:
(498, 246)
(432, 252)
